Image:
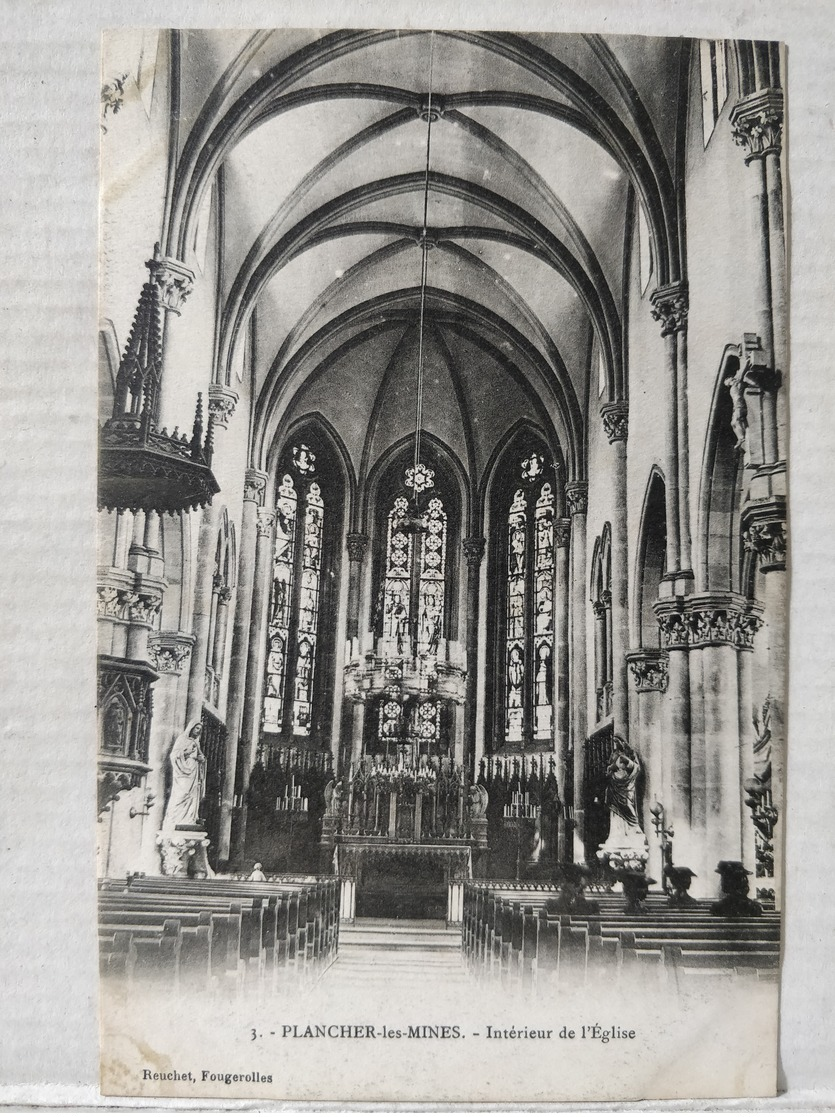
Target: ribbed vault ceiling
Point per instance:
(321, 140)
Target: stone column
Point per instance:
(721, 628)
(221, 629)
(669, 308)
(764, 536)
(649, 669)
(255, 484)
(169, 653)
(577, 502)
(474, 553)
(675, 791)
(254, 696)
(757, 123)
(562, 693)
(616, 425)
(202, 610)
(357, 545)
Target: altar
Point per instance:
(403, 839)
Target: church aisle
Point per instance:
(397, 952)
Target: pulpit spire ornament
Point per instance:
(143, 467)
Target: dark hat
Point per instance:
(732, 867)
(681, 870)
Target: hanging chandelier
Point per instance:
(419, 477)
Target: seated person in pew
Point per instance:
(572, 880)
(734, 884)
(680, 878)
(257, 873)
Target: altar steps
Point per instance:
(397, 952)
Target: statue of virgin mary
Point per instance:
(188, 778)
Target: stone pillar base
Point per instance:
(183, 853)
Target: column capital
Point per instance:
(615, 418)
(474, 550)
(670, 306)
(764, 532)
(708, 620)
(265, 522)
(356, 543)
(222, 404)
(650, 670)
(562, 532)
(255, 486)
(757, 123)
(169, 651)
(174, 279)
(577, 497)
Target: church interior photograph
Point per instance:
(442, 508)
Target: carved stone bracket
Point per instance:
(764, 533)
(474, 550)
(356, 544)
(708, 620)
(265, 522)
(562, 532)
(650, 670)
(757, 123)
(669, 307)
(222, 404)
(615, 418)
(255, 485)
(577, 497)
(174, 279)
(169, 651)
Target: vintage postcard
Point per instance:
(442, 565)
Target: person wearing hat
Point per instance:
(735, 900)
(635, 889)
(257, 873)
(572, 900)
(680, 878)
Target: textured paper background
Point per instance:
(49, 51)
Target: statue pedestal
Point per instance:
(629, 852)
(183, 852)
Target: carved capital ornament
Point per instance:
(562, 532)
(174, 279)
(615, 417)
(356, 544)
(757, 124)
(669, 308)
(474, 550)
(255, 484)
(265, 522)
(650, 670)
(708, 620)
(222, 404)
(169, 651)
(577, 497)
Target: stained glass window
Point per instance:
(412, 601)
(397, 579)
(543, 626)
(293, 619)
(431, 584)
(516, 596)
(308, 608)
(528, 611)
(278, 624)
